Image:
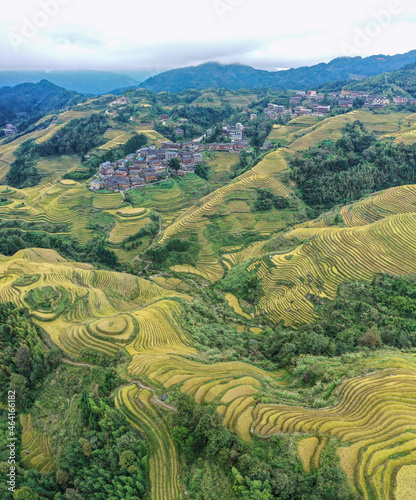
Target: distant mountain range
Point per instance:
(215, 75)
(82, 81)
(236, 76)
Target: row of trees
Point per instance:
(13, 240)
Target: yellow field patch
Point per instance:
(36, 447)
(233, 302)
(306, 449)
(406, 483)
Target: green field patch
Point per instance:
(26, 280)
(45, 298)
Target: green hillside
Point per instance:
(246, 330)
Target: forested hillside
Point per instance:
(25, 104)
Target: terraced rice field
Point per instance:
(262, 175)
(158, 331)
(293, 129)
(252, 251)
(397, 200)
(169, 283)
(376, 420)
(107, 201)
(306, 450)
(127, 226)
(221, 164)
(36, 447)
(333, 255)
(151, 134)
(196, 218)
(407, 133)
(7, 150)
(406, 482)
(240, 101)
(164, 466)
(231, 386)
(115, 139)
(171, 198)
(331, 128)
(57, 203)
(98, 307)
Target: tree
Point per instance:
(203, 171)
(18, 384)
(25, 493)
(62, 478)
(23, 361)
(87, 449)
(175, 163)
(127, 458)
(134, 143)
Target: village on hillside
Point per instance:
(310, 103)
(150, 164)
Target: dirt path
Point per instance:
(77, 363)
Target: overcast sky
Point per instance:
(164, 34)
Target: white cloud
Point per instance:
(132, 34)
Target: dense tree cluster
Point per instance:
(355, 165)
(266, 200)
(78, 137)
(242, 282)
(24, 363)
(109, 462)
(364, 315)
(23, 171)
(175, 251)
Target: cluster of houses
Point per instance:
(10, 129)
(239, 141)
(146, 166)
(236, 133)
(346, 99)
(315, 108)
(314, 101)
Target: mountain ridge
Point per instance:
(237, 76)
